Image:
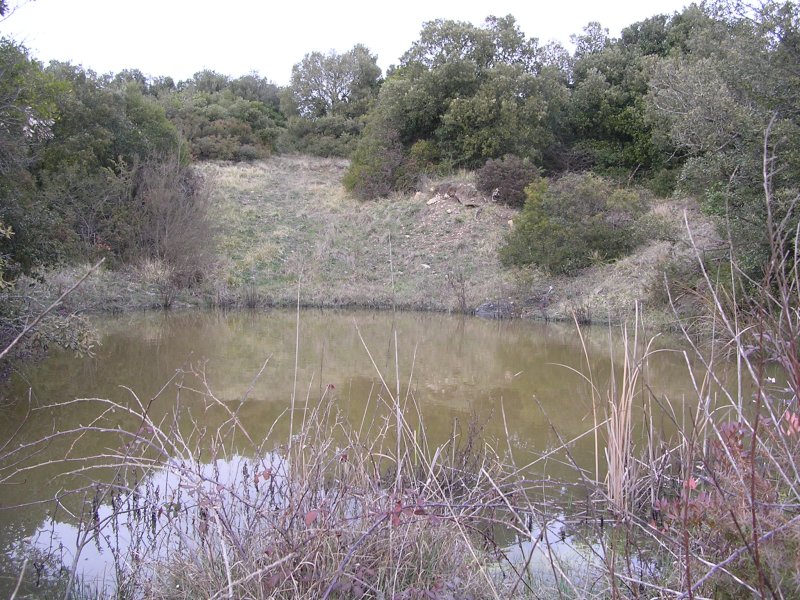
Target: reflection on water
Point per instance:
(519, 381)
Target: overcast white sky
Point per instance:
(234, 37)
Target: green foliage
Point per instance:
(81, 150)
(500, 41)
(328, 96)
(735, 75)
(506, 179)
(377, 165)
(101, 122)
(426, 155)
(504, 116)
(471, 93)
(610, 131)
(336, 84)
(572, 222)
(28, 108)
(326, 136)
(225, 119)
(5, 233)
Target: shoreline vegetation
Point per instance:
(286, 221)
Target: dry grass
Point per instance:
(289, 218)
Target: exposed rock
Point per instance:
(465, 193)
(501, 309)
(433, 200)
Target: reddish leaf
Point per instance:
(267, 473)
(396, 512)
(311, 516)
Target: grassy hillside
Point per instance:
(288, 217)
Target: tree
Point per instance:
(207, 81)
(499, 41)
(611, 131)
(226, 119)
(28, 109)
(257, 89)
(592, 41)
(735, 77)
(465, 94)
(443, 42)
(341, 84)
(504, 116)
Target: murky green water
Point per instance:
(457, 370)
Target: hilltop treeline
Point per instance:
(677, 101)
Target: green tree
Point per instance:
(335, 84)
(102, 121)
(226, 119)
(327, 100)
(28, 109)
(499, 41)
(507, 115)
(593, 40)
(735, 74)
(610, 128)
(257, 89)
(466, 94)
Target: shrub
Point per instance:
(327, 136)
(573, 222)
(248, 152)
(425, 154)
(377, 165)
(506, 179)
(174, 227)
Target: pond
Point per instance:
(520, 386)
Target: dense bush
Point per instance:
(226, 120)
(326, 136)
(506, 179)
(572, 222)
(377, 165)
